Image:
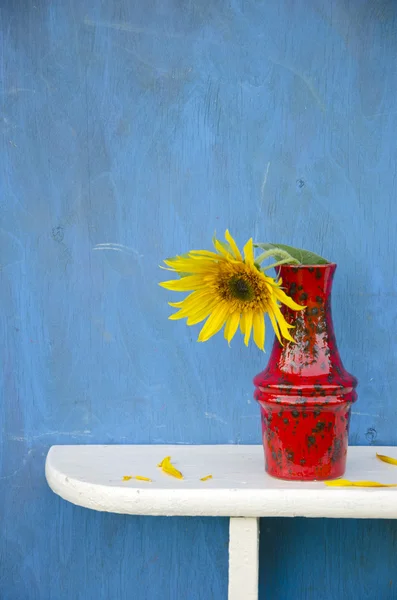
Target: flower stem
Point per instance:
(270, 253)
(282, 262)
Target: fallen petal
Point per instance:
(348, 483)
(387, 459)
(169, 468)
(206, 478)
(127, 477)
(140, 478)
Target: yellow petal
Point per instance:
(199, 298)
(166, 269)
(196, 262)
(178, 315)
(206, 478)
(222, 250)
(387, 459)
(282, 323)
(282, 296)
(191, 282)
(127, 477)
(233, 245)
(190, 266)
(242, 324)
(249, 252)
(200, 308)
(140, 478)
(192, 298)
(231, 326)
(169, 468)
(200, 313)
(348, 483)
(206, 253)
(275, 326)
(197, 318)
(258, 325)
(177, 304)
(214, 322)
(247, 326)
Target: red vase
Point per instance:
(305, 393)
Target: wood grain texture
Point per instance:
(147, 125)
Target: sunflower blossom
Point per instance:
(229, 290)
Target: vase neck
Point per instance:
(310, 367)
(314, 350)
(308, 285)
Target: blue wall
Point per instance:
(150, 124)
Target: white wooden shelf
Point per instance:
(92, 476)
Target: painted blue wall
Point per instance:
(150, 124)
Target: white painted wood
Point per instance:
(243, 558)
(91, 476)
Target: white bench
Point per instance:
(91, 476)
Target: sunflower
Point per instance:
(227, 289)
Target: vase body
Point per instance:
(305, 393)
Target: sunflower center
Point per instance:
(240, 288)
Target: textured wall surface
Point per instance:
(146, 125)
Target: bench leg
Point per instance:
(243, 558)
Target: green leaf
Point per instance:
(304, 257)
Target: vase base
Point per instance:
(304, 479)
